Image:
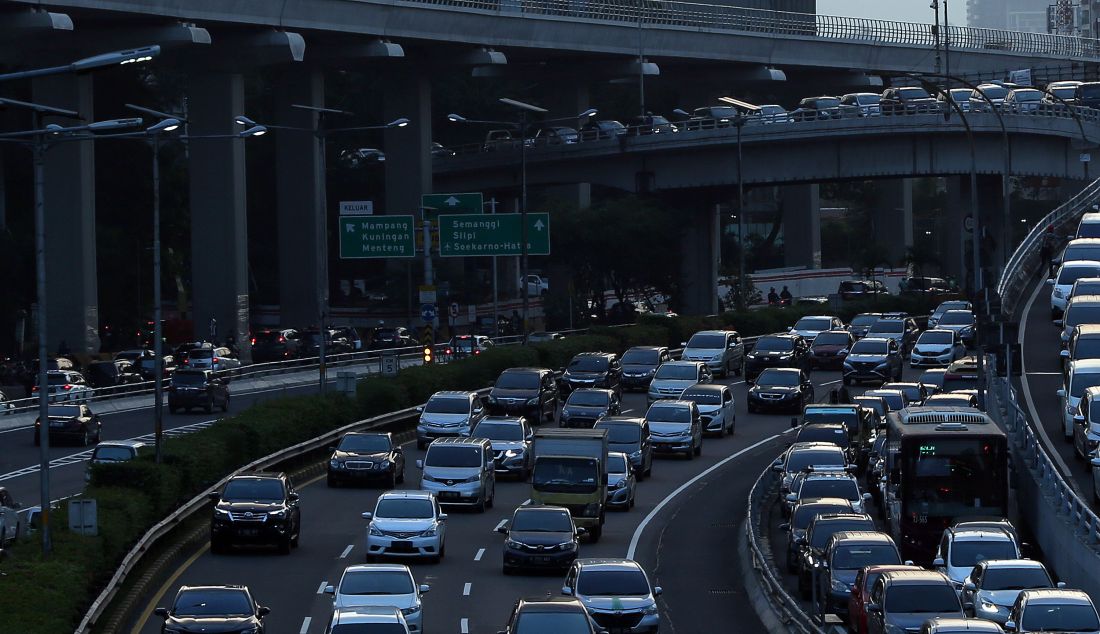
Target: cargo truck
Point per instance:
(571, 471)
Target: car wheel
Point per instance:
(740, 369)
(492, 497)
(209, 407)
(297, 537)
(442, 549)
(631, 504)
(649, 470)
(400, 473)
(506, 569)
(98, 435)
(699, 448)
(481, 505)
(225, 404)
(85, 438)
(752, 408)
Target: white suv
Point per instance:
(406, 524)
(380, 585)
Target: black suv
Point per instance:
(593, 369)
(907, 100)
(261, 508)
(213, 609)
(103, 374)
(367, 456)
(529, 392)
(276, 345)
(816, 538)
(384, 338)
(640, 363)
(71, 422)
(783, 389)
(198, 388)
(776, 351)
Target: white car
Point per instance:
(811, 326)
(937, 348)
(372, 585)
(717, 408)
(217, 359)
(951, 304)
(537, 286)
(1068, 273)
(963, 548)
(406, 524)
(368, 619)
(66, 386)
(1080, 376)
(673, 377)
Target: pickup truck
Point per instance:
(571, 471)
(9, 519)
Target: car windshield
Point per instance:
(799, 460)
(659, 413)
(702, 397)
(936, 337)
(967, 554)
(518, 381)
(1027, 95)
(114, 454)
(368, 582)
(1063, 617)
(1087, 348)
(829, 488)
(1015, 578)
(960, 94)
(601, 583)
(588, 364)
(871, 403)
(948, 400)
(1064, 92)
(447, 405)
(199, 603)
(586, 398)
(946, 306)
(705, 341)
(453, 456)
(864, 320)
(822, 531)
(253, 490)
(773, 376)
(68, 411)
(957, 318)
(993, 92)
(369, 628)
(774, 344)
(204, 353)
(404, 508)
(188, 378)
(541, 520)
(932, 377)
(1083, 381)
(621, 433)
(938, 598)
(867, 100)
(823, 433)
(857, 556)
(832, 339)
(498, 431)
(364, 443)
(57, 379)
(465, 343)
(805, 513)
(889, 326)
(863, 346)
(1070, 274)
(552, 623)
(812, 324)
(640, 357)
(616, 464)
(826, 102)
(1086, 288)
(676, 372)
(1078, 314)
(913, 93)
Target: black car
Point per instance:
(528, 392)
(366, 457)
(211, 609)
(907, 100)
(1087, 95)
(630, 435)
(105, 374)
(540, 537)
(385, 338)
(829, 350)
(334, 343)
(820, 529)
(640, 363)
(587, 405)
(781, 389)
(776, 351)
(861, 323)
(593, 369)
(260, 508)
(712, 117)
(606, 129)
(276, 345)
(539, 615)
(146, 367)
(817, 108)
(873, 359)
(651, 124)
(861, 289)
(198, 388)
(70, 422)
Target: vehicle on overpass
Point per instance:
(942, 466)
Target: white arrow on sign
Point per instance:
(452, 201)
(351, 227)
(539, 225)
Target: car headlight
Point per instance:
(565, 545)
(222, 513)
(512, 453)
(967, 330)
(431, 532)
(492, 399)
(409, 611)
(511, 543)
(986, 606)
(650, 372)
(650, 609)
(839, 586)
(882, 365)
(636, 454)
(373, 530)
(848, 365)
(620, 484)
(591, 509)
(717, 357)
(281, 513)
(565, 414)
(533, 401)
(336, 464)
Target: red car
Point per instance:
(861, 594)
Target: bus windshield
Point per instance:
(953, 478)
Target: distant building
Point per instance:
(1014, 15)
(1088, 18)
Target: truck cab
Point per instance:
(571, 471)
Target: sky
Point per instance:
(901, 10)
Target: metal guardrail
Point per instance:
(676, 14)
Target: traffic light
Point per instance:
(429, 355)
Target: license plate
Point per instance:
(248, 532)
(403, 546)
(57, 424)
(448, 494)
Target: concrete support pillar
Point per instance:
(892, 216)
(219, 228)
(991, 204)
(952, 238)
(72, 304)
(801, 206)
(300, 200)
(699, 252)
(408, 149)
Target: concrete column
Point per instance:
(801, 206)
(72, 304)
(950, 234)
(991, 204)
(219, 228)
(892, 215)
(699, 251)
(300, 200)
(408, 149)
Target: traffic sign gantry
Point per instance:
(497, 234)
(377, 237)
(435, 204)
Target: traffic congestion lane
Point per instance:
(469, 591)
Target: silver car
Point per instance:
(511, 440)
(406, 524)
(448, 414)
(615, 592)
(721, 350)
(993, 585)
(621, 483)
(372, 585)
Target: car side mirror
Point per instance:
(567, 591)
(503, 530)
(1060, 584)
(1064, 354)
(214, 495)
(263, 611)
(424, 588)
(330, 589)
(1050, 281)
(1078, 418)
(938, 561)
(791, 497)
(866, 497)
(1095, 462)
(420, 409)
(442, 517)
(1061, 392)
(1059, 322)
(161, 612)
(658, 591)
(969, 585)
(683, 344)
(419, 463)
(293, 497)
(874, 608)
(908, 562)
(968, 605)
(581, 531)
(1010, 626)
(367, 515)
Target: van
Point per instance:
(1081, 376)
(1062, 282)
(1080, 249)
(1083, 309)
(1089, 227)
(460, 471)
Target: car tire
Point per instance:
(401, 473)
(209, 407)
(442, 550)
(492, 497)
(98, 435)
(752, 408)
(85, 438)
(698, 451)
(297, 537)
(740, 369)
(480, 508)
(506, 570)
(225, 404)
(648, 470)
(393, 480)
(630, 504)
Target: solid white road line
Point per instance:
(344, 555)
(464, 626)
(683, 487)
(305, 625)
(321, 588)
(502, 523)
(1034, 413)
(466, 589)
(480, 554)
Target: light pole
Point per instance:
(524, 109)
(739, 122)
(320, 193)
(114, 58)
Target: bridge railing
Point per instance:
(661, 13)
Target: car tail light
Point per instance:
(215, 360)
(448, 351)
(35, 389)
(281, 340)
(476, 351)
(67, 386)
(253, 341)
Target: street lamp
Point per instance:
(321, 133)
(739, 122)
(521, 125)
(114, 58)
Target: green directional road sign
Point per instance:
(377, 237)
(463, 235)
(435, 204)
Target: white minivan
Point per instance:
(1080, 376)
(1068, 273)
(1089, 227)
